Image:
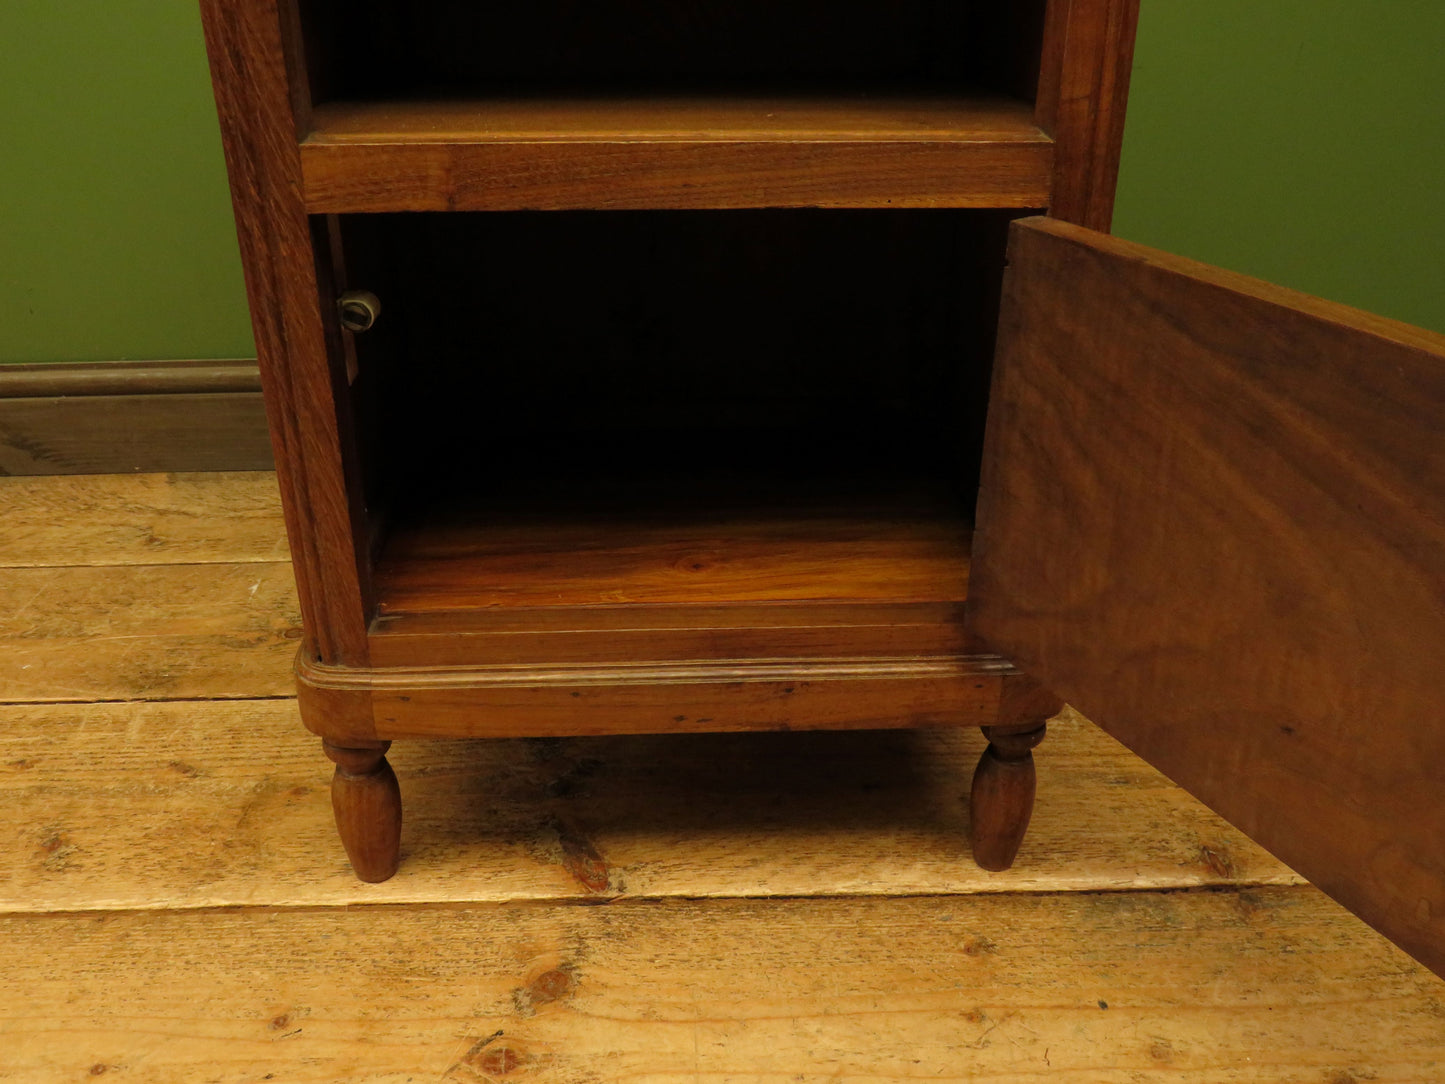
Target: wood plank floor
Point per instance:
(782, 907)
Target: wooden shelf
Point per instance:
(675, 152)
(785, 555)
(837, 580)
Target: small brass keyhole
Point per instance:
(359, 310)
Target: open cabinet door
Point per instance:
(1212, 517)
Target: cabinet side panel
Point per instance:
(258, 127)
(1088, 52)
(1212, 517)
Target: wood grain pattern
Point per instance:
(645, 699)
(366, 802)
(223, 803)
(304, 390)
(668, 118)
(1213, 517)
(1087, 59)
(535, 700)
(656, 582)
(147, 632)
(1001, 800)
(780, 555)
(667, 152)
(622, 633)
(1211, 988)
(141, 519)
(97, 434)
(122, 416)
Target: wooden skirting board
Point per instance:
(114, 417)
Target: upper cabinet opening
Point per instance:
(396, 49)
(446, 105)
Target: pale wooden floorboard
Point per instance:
(174, 905)
(126, 587)
(123, 519)
(1258, 985)
(129, 632)
(208, 804)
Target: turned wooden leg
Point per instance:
(367, 804)
(1003, 793)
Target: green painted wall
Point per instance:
(116, 239)
(1302, 141)
(1298, 140)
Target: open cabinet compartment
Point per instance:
(397, 49)
(737, 409)
(447, 105)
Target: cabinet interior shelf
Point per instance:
(552, 152)
(695, 575)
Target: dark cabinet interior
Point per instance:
(368, 49)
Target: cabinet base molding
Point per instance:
(359, 710)
(377, 703)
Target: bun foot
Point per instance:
(1002, 800)
(367, 803)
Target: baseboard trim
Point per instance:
(121, 417)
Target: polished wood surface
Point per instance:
(294, 326)
(699, 554)
(673, 617)
(675, 152)
(674, 571)
(366, 802)
(1213, 518)
(1001, 799)
(606, 634)
(1087, 58)
(652, 698)
(668, 118)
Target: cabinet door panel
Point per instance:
(1212, 516)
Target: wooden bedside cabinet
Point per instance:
(627, 368)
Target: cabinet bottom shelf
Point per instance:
(694, 606)
(689, 574)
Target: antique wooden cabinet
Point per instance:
(627, 367)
